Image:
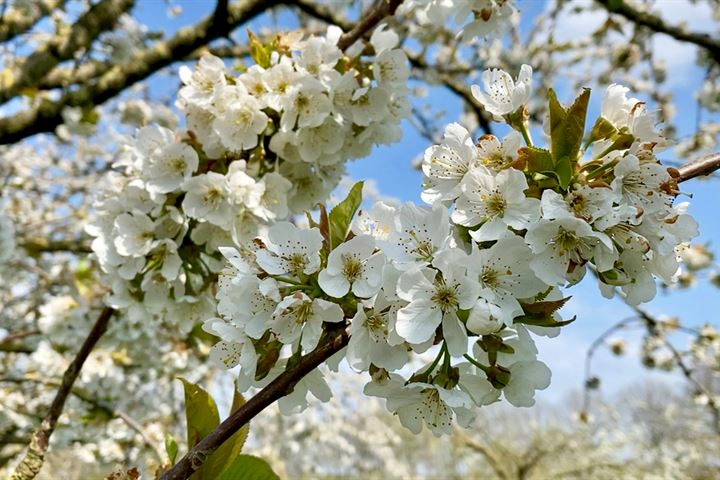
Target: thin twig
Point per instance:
(598, 342)
(31, 464)
(652, 325)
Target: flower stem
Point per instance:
(475, 362)
(289, 280)
(526, 134)
(435, 362)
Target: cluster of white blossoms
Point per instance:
(7, 237)
(507, 228)
(488, 18)
(260, 146)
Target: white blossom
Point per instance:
(353, 266)
(502, 95)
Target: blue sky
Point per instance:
(390, 167)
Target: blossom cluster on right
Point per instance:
(476, 273)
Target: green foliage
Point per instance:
(248, 467)
(567, 127)
(223, 457)
(226, 462)
(258, 52)
(200, 411)
(202, 417)
(171, 448)
(540, 314)
(538, 160)
(343, 213)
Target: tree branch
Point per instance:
(702, 167)
(278, 388)
(31, 464)
(98, 19)
(48, 114)
(36, 246)
(382, 9)
(657, 24)
(16, 23)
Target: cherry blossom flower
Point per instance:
(353, 266)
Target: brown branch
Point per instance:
(277, 389)
(13, 337)
(63, 77)
(31, 464)
(657, 24)
(382, 9)
(36, 246)
(702, 167)
(48, 114)
(16, 23)
(99, 18)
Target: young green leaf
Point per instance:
(201, 414)
(542, 321)
(258, 52)
(171, 448)
(224, 456)
(547, 307)
(341, 216)
(248, 467)
(537, 160)
(567, 127)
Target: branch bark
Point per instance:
(278, 388)
(702, 167)
(48, 114)
(16, 23)
(98, 19)
(31, 464)
(657, 24)
(382, 9)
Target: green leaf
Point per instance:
(541, 313)
(324, 227)
(567, 127)
(224, 456)
(202, 416)
(542, 321)
(544, 308)
(343, 213)
(601, 130)
(259, 52)
(171, 448)
(248, 467)
(537, 160)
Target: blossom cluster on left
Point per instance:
(261, 145)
